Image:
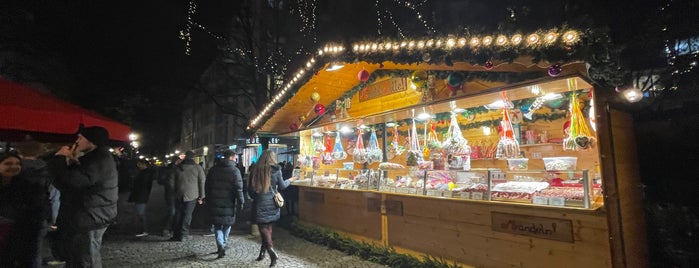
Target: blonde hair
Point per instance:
(262, 172)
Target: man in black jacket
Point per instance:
(89, 193)
(224, 188)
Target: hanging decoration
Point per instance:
(394, 148)
(363, 75)
(374, 153)
(455, 79)
(294, 126)
(419, 79)
(579, 137)
(338, 152)
(315, 97)
(508, 146)
(488, 65)
(433, 143)
(343, 105)
(319, 109)
(554, 70)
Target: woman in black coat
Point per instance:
(224, 187)
(265, 180)
(141, 193)
(22, 208)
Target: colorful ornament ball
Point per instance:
(319, 109)
(315, 97)
(555, 70)
(488, 64)
(363, 75)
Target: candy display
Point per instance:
(454, 142)
(414, 154)
(578, 136)
(394, 149)
(390, 166)
(508, 146)
(338, 151)
(327, 155)
(359, 154)
(374, 153)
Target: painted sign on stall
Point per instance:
(383, 88)
(539, 227)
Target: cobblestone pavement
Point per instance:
(121, 248)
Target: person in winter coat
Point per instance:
(265, 180)
(165, 177)
(224, 192)
(189, 179)
(141, 192)
(89, 193)
(22, 208)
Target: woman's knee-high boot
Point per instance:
(262, 253)
(273, 256)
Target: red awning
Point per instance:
(25, 109)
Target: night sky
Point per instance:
(98, 53)
(125, 60)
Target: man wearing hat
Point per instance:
(89, 193)
(188, 182)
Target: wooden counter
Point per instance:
(474, 233)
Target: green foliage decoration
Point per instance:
(371, 252)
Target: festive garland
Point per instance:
(371, 252)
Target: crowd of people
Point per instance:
(70, 196)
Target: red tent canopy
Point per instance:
(25, 109)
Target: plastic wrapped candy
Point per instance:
(394, 148)
(508, 146)
(327, 155)
(414, 154)
(338, 151)
(318, 145)
(455, 143)
(359, 154)
(579, 137)
(374, 153)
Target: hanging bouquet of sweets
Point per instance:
(394, 148)
(359, 154)
(338, 151)
(579, 137)
(414, 154)
(508, 146)
(374, 153)
(318, 145)
(327, 155)
(454, 141)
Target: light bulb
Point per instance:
(633, 94)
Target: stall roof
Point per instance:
(293, 102)
(28, 110)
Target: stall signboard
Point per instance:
(383, 88)
(539, 227)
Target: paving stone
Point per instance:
(121, 249)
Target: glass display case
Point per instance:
(565, 188)
(362, 179)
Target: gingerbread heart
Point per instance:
(583, 142)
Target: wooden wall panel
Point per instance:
(344, 210)
(630, 190)
(460, 230)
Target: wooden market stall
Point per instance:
(431, 165)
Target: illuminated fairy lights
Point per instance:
(549, 38)
(473, 42)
